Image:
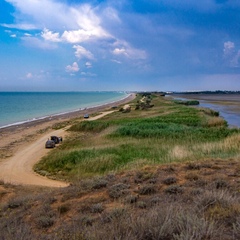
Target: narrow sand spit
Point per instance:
(18, 169)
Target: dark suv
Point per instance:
(55, 139)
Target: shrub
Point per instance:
(117, 190)
(97, 208)
(174, 189)
(141, 204)
(44, 221)
(169, 180)
(99, 183)
(190, 226)
(63, 208)
(192, 176)
(220, 183)
(212, 198)
(131, 199)
(193, 166)
(44, 217)
(147, 189)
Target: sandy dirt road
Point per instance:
(18, 169)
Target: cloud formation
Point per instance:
(231, 55)
(121, 41)
(72, 68)
(81, 53)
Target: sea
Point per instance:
(21, 107)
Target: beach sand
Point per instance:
(22, 146)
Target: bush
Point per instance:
(174, 189)
(97, 208)
(169, 180)
(63, 208)
(147, 189)
(131, 199)
(117, 190)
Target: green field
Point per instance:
(157, 130)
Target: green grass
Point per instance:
(89, 126)
(168, 132)
(88, 162)
(172, 131)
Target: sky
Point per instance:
(123, 45)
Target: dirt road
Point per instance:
(18, 169)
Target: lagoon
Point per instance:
(228, 105)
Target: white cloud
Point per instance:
(50, 36)
(13, 35)
(123, 48)
(228, 48)
(231, 55)
(88, 74)
(80, 21)
(88, 65)
(72, 68)
(112, 14)
(21, 26)
(82, 35)
(81, 52)
(120, 51)
(29, 75)
(116, 61)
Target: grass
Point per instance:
(152, 136)
(89, 126)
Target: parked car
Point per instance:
(49, 144)
(86, 116)
(55, 139)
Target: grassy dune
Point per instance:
(168, 132)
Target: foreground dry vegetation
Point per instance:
(165, 172)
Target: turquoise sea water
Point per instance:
(19, 107)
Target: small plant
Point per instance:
(220, 183)
(44, 217)
(147, 189)
(193, 166)
(169, 180)
(192, 176)
(87, 220)
(117, 190)
(63, 208)
(155, 201)
(97, 208)
(174, 189)
(141, 204)
(114, 214)
(99, 183)
(131, 199)
(44, 221)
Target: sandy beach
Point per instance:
(22, 146)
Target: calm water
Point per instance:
(228, 105)
(18, 107)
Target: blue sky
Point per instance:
(164, 45)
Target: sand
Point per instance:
(21, 147)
